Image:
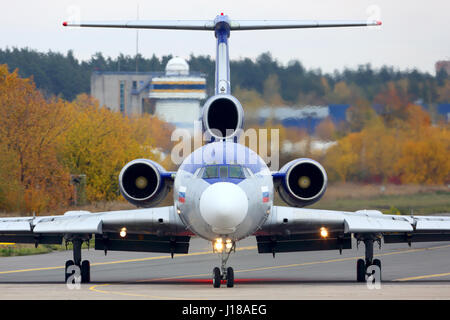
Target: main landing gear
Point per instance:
(223, 273)
(363, 265)
(77, 267)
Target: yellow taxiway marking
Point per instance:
(167, 257)
(127, 261)
(300, 264)
(29, 270)
(95, 289)
(424, 277)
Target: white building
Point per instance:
(175, 95)
(178, 94)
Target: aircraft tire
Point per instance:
(360, 270)
(67, 275)
(230, 277)
(85, 272)
(216, 277)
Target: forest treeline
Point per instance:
(64, 76)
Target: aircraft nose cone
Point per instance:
(224, 206)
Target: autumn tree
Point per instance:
(29, 130)
(100, 142)
(325, 130)
(425, 158)
(393, 100)
(342, 159)
(250, 99)
(359, 115)
(271, 91)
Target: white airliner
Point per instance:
(223, 192)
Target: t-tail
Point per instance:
(223, 115)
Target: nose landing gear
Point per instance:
(223, 273)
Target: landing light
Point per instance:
(229, 244)
(323, 232)
(123, 232)
(218, 245)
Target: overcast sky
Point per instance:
(415, 34)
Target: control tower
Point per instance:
(175, 95)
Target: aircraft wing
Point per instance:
(153, 229)
(294, 229)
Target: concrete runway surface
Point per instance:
(418, 272)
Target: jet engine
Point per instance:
(303, 182)
(223, 117)
(141, 183)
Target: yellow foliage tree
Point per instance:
(410, 150)
(426, 160)
(271, 91)
(250, 99)
(29, 130)
(342, 159)
(100, 142)
(325, 130)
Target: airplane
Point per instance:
(223, 192)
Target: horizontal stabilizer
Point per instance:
(143, 24)
(234, 24)
(298, 24)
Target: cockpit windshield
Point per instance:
(236, 172)
(211, 172)
(224, 172)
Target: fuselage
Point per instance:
(223, 190)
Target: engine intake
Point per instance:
(223, 117)
(141, 184)
(304, 182)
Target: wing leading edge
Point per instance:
(287, 228)
(153, 229)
